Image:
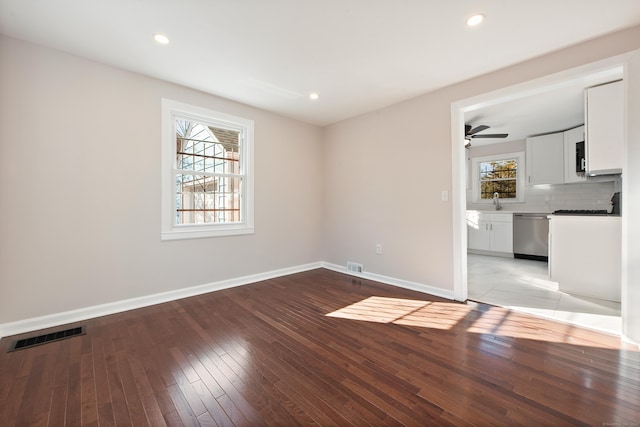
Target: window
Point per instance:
(502, 174)
(207, 173)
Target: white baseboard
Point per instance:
(56, 319)
(439, 292)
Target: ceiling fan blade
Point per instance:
(491, 135)
(467, 128)
(477, 129)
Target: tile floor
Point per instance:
(523, 285)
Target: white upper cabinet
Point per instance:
(604, 106)
(571, 138)
(545, 159)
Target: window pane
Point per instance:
(204, 199)
(498, 169)
(506, 189)
(212, 149)
(499, 176)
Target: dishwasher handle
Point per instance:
(529, 216)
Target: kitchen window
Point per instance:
(502, 174)
(207, 173)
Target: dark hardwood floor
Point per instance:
(322, 348)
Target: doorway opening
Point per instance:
(466, 266)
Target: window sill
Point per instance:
(201, 234)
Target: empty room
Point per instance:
(342, 213)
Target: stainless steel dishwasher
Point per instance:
(531, 236)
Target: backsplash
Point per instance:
(548, 198)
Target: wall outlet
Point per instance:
(378, 248)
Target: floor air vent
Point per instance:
(47, 338)
(354, 267)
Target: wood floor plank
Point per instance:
(233, 412)
(214, 409)
(101, 376)
(134, 403)
(163, 400)
(205, 420)
(73, 412)
(322, 348)
(54, 390)
(187, 416)
(88, 393)
(27, 406)
(183, 383)
(39, 392)
(9, 366)
(116, 389)
(149, 403)
(57, 410)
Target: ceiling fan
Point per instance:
(470, 132)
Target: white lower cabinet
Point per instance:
(490, 232)
(585, 255)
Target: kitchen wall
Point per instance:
(595, 193)
(80, 188)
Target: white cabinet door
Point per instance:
(604, 106)
(571, 137)
(502, 237)
(545, 159)
(478, 234)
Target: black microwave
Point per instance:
(580, 159)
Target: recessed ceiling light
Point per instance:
(475, 20)
(161, 38)
(313, 96)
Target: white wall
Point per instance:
(80, 188)
(368, 200)
(384, 173)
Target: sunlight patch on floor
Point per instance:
(537, 282)
(427, 314)
(503, 322)
(497, 321)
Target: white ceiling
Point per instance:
(359, 55)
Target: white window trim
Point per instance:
(171, 231)
(520, 181)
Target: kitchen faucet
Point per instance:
(496, 200)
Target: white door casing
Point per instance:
(630, 273)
